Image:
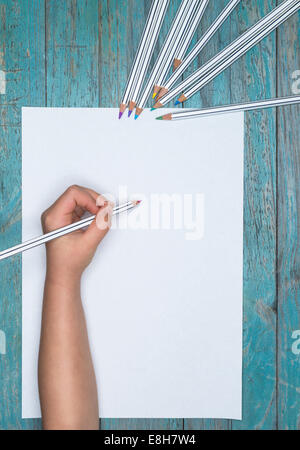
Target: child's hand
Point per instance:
(68, 256)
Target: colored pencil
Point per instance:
(61, 232)
(188, 35)
(145, 60)
(167, 85)
(145, 48)
(166, 55)
(231, 53)
(250, 106)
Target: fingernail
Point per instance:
(100, 201)
(101, 222)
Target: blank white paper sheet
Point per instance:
(163, 295)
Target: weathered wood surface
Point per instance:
(259, 376)
(22, 51)
(217, 92)
(78, 53)
(288, 220)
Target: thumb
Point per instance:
(100, 226)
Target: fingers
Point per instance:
(83, 196)
(101, 201)
(70, 207)
(103, 218)
(77, 213)
(100, 226)
(93, 193)
(76, 196)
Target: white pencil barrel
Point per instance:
(201, 44)
(148, 52)
(59, 232)
(143, 42)
(256, 33)
(146, 57)
(186, 39)
(165, 67)
(166, 53)
(250, 106)
(195, 87)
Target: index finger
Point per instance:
(73, 197)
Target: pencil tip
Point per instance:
(129, 113)
(154, 94)
(120, 115)
(177, 102)
(136, 116)
(159, 118)
(137, 202)
(153, 108)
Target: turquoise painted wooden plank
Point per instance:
(288, 169)
(254, 77)
(21, 57)
(207, 424)
(22, 30)
(170, 14)
(73, 69)
(215, 93)
(141, 424)
(72, 47)
(121, 24)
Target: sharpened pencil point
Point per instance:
(137, 202)
(154, 94)
(129, 113)
(159, 118)
(177, 102)
(136, 116)
(152, 109)
(120, 115)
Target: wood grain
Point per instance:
(72, 45)
(288, 222)
(79, 53)
(121, 24)
(254, 77)
(217, 92)
(22, 52)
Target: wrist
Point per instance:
(65, 279)
(61, 291)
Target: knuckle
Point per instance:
(72, 188)
(44, 215)
(101, 200)
(46, 219)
